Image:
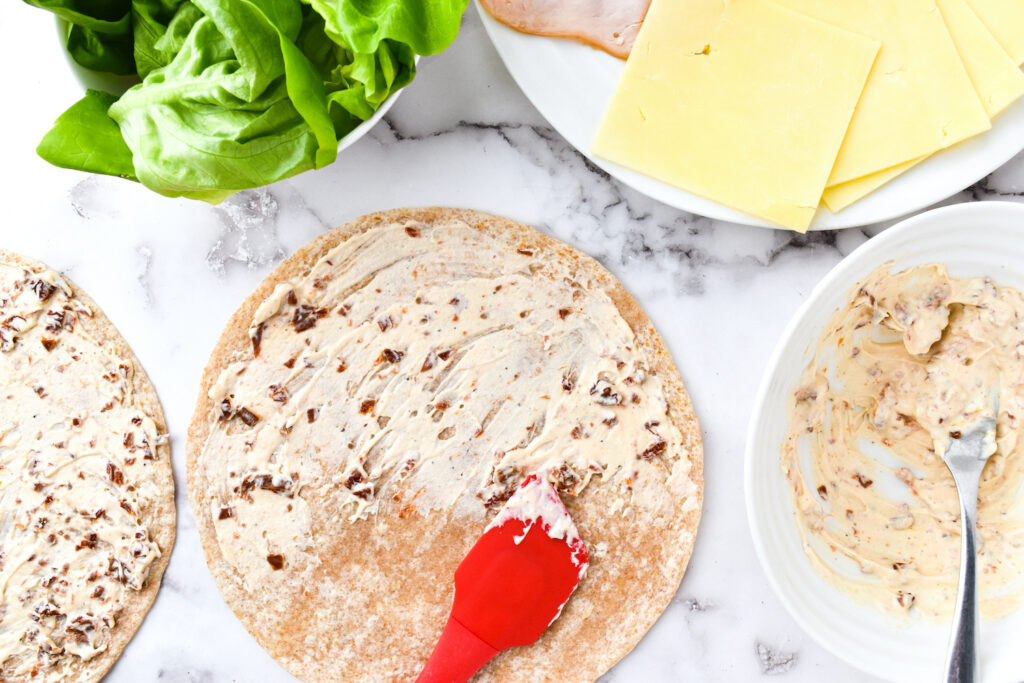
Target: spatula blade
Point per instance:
(514, 582)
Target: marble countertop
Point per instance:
(170, 272)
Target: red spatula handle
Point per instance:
(457, 656)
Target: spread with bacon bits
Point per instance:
(911, 356)
(76, 453)
(537, 502)
(435, 363)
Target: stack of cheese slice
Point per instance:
(773, 107)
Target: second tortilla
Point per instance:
(87, 516)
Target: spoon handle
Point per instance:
(962, 662)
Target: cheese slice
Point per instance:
(838, 197)
(997, 79)
(1005, 19)
(918, 98)
(995, 76)
(743, 102)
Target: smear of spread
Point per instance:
(908, 359)
(75, 456)
(610, 25)
(434, 363)
(536, 502)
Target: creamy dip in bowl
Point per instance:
(873, 593)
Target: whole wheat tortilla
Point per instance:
(394, 591)
(160, 521)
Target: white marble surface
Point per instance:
(169, 272)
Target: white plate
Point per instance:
(571, 84)
(983, 238)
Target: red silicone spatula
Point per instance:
(512, 584)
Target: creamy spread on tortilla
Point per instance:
(913, 357)
(536, 501)
(75, 456)
(435, 368)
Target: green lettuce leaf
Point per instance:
(160, 30)
(426, 26)
(86, 139)
(382, 38)
(221, 116)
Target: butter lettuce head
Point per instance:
(241, 93)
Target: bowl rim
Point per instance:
(853, 262)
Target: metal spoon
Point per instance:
(966, 455)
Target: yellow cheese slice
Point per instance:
(995, 75)
(996, 78)
(1005, 19)
(742, 102)
(918, 98)
(838, 197)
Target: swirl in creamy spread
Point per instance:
(432, 367)
(913, 356)
(75, 455)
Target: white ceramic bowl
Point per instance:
(982, 238)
